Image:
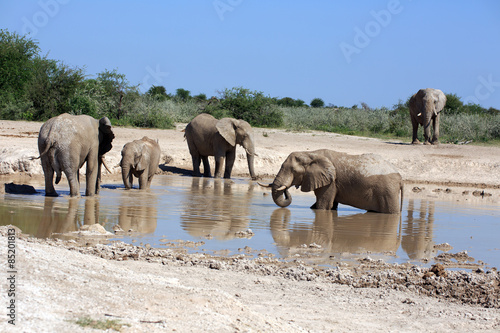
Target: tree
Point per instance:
(453, 103)
(317, 103)
(183, 95)
(158, 92)
(17, 54)
(251, 106)
(286, 101)
(200, 97)
(52, 87)
(116, 87)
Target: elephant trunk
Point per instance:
(126, 176)
(250, 160)
(250, 149)
(281, 196)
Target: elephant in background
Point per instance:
(66, 142)
(425, 107)
(207, 136)
(363, 181)
(140, 158)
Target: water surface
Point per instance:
(219, 213)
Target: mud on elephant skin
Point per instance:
(140, 158)
(425, 107)
(207, 136)
(363, 181)
(66, 142)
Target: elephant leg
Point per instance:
(74, 184)
(143, 180)
(230, 157)
(206, 166)
(219, 161)
(435, 125)
(196, 164)
(131, 180)
(325, 197)
(427, 133)
(48, 171)
(414, 124)
(92, 174)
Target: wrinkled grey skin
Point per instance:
(66, 142)
(362, 181)
(425, 107)
(140, 158)
(207, 136)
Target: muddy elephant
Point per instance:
(207, 136)
(363, 181)
(66, 142)
(140, 158)
(425, 107)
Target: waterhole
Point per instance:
(234, 217)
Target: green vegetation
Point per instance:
(107, 324)
(33, 87)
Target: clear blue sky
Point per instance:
(344, 52)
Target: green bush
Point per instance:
(317, 103)
(251, 106)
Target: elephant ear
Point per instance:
(441, 101)
(106, 136)
(141, 157)
(226, 128)
(319, 173)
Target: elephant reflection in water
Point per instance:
(211, 208)
(359, 233)
(56, 221)
(138, 211)
(418, 231)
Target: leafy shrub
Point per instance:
(317, 103)
(158, 92)
(251, 106)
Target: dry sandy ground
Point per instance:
(59, 282)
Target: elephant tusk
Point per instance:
(281, 188)
(251, 154)
(264, 185)
(105, 165)
(418, 115)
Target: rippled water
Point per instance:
(219, 213)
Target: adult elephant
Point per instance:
(140, 158)
(66, 142)
(425, 107)
(207, 136)
(364, 181)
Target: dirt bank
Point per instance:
(447, 164)
(59, 282)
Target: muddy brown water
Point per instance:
(238, 217)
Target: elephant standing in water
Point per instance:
(66, 142)
(140, 158)
(207, 136)
(425, 107)
(363, 181)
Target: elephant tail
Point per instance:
(45, 151)
(402, 197)
(47, 147)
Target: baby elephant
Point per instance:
(140, 158)
(363, 181)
